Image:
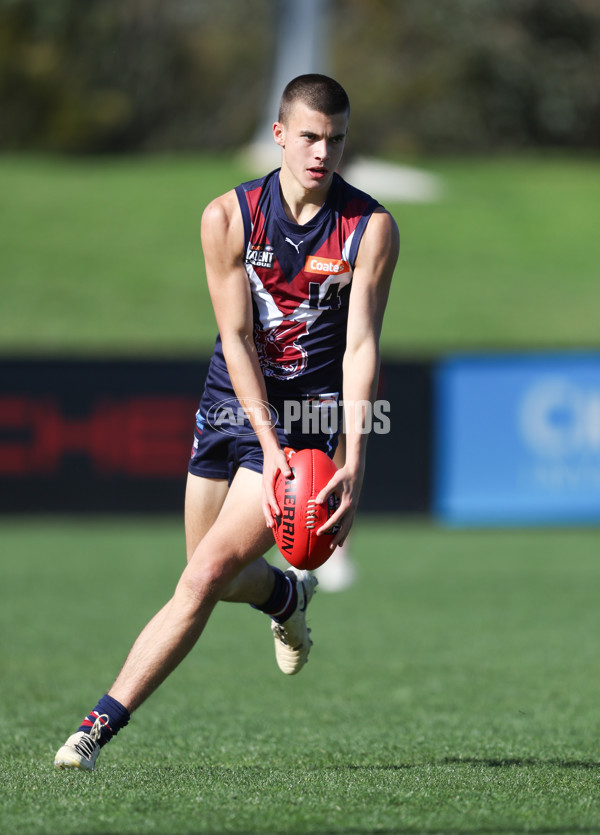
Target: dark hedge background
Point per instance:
(443, 76)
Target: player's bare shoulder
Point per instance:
(382, 234)
(380, 245)
(222, 225)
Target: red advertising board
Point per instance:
(115, 436)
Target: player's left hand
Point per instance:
(346, 483)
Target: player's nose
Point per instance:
(322, 150)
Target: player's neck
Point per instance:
(300, 204)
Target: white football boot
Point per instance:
(292, 637)
(81, 749)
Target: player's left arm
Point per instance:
(373, 271)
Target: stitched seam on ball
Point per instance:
(312, 531)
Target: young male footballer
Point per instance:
(299, 265)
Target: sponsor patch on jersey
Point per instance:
(325, 266)
(260, 255)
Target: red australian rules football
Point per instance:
(295, 531)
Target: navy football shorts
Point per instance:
(224, 439)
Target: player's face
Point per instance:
(312, 145)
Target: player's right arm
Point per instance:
(222, 236)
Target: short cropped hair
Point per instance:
(319, 92)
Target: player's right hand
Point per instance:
(274, 462)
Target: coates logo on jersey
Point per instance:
(279, 352)
(325, 266)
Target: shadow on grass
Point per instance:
(519, 762)
(487, 762)
(567, 830)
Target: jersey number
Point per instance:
(331, 299)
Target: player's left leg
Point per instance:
(290, 594)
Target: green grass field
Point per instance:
(103, 256)
(454, 689)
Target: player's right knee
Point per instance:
(206, 581)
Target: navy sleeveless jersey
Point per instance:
(300, 278)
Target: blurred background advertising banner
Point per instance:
(518, 439)
(115, 436)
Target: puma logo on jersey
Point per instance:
(296, 246)
(326, 266)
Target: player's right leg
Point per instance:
(204, 498)
(226, 537)
(237, 537)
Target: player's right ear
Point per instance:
(279, 133)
